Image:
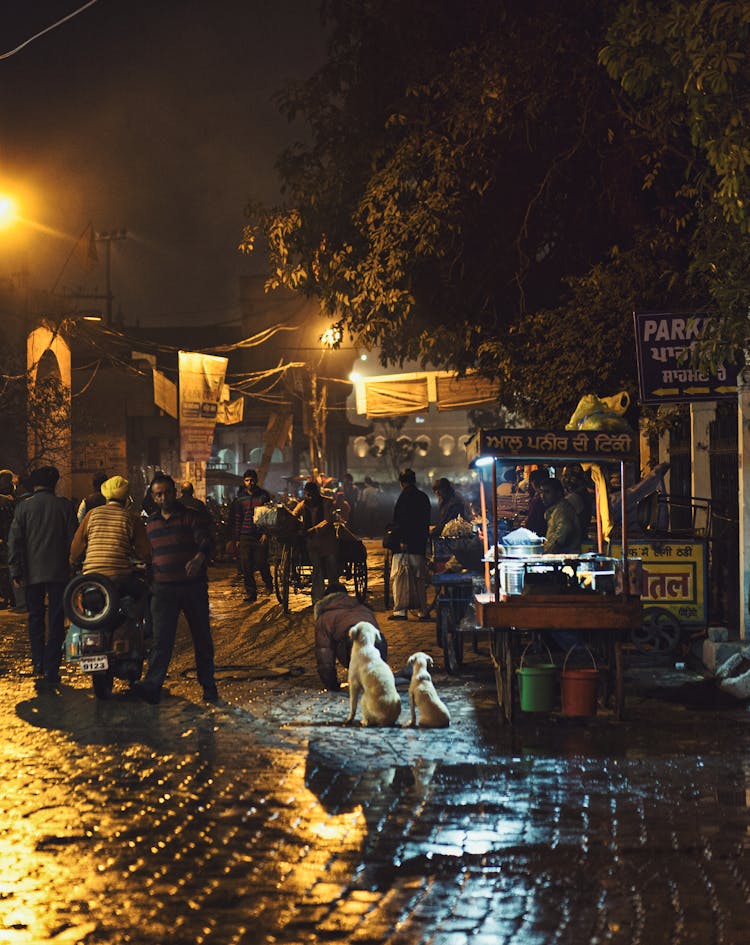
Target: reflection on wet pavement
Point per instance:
(265, 820)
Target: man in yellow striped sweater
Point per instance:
(111, 538)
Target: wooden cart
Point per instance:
(604, 619)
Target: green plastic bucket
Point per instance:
(578, 688)
(537, 686)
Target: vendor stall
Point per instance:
(596, 596)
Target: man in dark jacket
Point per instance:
(335, 614)
(7, 506)
(180, 550)
(40, 535)
(251, 543)
(451, 505)
(411, 521)
(563, 528)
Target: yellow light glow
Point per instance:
(8, 211)
(330, 337)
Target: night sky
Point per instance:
(154, 115)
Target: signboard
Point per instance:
(663, 343)
(165, 393)
(201, 381)
(571, 445)
(674, 577)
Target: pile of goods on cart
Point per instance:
(457, 549)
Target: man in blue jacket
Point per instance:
(38, 545)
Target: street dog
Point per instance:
(433, 713)
(371, 678)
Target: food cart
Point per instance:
(593, 594)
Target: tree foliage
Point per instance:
(685, 70)
(498, 184)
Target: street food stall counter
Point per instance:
(596, 596)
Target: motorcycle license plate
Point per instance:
(94, 664)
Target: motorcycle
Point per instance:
(109, 635)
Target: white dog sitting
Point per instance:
(433, 713)
(371, 677)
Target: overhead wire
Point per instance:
(47, 29)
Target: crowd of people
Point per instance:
(43, 538)
(46, 540)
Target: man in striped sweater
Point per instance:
(111, 537)
(180, 548)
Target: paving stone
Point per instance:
(265, 820)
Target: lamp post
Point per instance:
(329, 339)
(107, 237)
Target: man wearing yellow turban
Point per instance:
(111, 538)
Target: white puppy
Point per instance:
(433, 713)
(371, 677)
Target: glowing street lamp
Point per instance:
(330, 337)
(8, 211)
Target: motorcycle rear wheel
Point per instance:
(75, 604)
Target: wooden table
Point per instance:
(603, 618)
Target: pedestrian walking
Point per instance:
(249, 541)
(95, 498)
(180, 542)
(351, 494)
(411, 524)
(369, 507)
(39, 541)
(187, 497)
(7, 507)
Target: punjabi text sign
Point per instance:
(663, 345)
(575, 445)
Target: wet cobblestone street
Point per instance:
(265, 820)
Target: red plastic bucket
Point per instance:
(578, 689)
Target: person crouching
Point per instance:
(334, 614)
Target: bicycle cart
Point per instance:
(352, 556)
(292, 567)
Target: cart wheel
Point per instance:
(282, 577)
(387, 558)
(359, 569)
(659, 633)
(451, 640)
(278, 577)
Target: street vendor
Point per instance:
(563, 526)
(451, 505)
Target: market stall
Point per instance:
(594, 595)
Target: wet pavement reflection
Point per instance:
(264, 820)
